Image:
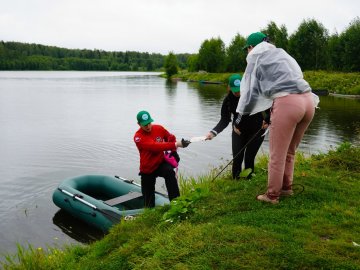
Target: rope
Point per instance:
(302, 188)
(242, 149)
(301, 191)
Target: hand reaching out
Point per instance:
(183, 143)
(210, 136)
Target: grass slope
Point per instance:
(219, 225)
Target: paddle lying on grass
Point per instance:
(114, 217)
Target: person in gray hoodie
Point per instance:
(273, 79)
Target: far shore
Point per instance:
(345, 96)
(338, 84)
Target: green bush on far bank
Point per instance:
(203, 76)
(220, 225)
(334, 82)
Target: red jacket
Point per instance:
(151, 146)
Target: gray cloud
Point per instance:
(158, 25)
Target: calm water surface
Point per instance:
(55, 125)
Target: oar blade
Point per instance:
(111, 215)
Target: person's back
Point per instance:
(279, 72)
(270, 72)
(274, 79)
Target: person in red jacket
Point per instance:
(152, 140)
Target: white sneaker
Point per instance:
(265, 198)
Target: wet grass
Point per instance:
(219, 225)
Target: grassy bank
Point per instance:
(334, 82)
(219, 225)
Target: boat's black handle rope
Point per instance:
(93, 214)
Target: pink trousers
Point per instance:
(290, 117)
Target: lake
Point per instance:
(56, 125)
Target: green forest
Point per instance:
(24, 56)
(311, 45)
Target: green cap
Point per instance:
(144, 118)
(234, 83)
(254, 39)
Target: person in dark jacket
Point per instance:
(152, 140)
(253, 127)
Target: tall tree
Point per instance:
(335, 53)
(350, 42)
(193, 63)
(278, 36)
(235, 55)
(308, 45)
(171, 65)
(2, 50)
(182, 59)
(212, 55)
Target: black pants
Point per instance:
(148, 181)
(250, 151)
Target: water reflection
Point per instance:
(170, 86)
(209, 93)
(55, 125)
(336, 121)
(76, 229)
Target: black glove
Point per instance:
(175, 155)
(185, 143)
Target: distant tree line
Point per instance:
(311, 45)
(23, 56)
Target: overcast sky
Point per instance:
(159, 26)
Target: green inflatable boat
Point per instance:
(101, 200)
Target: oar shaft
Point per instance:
(110, 214)
(242, 149)
(77, 198)
(127, 180)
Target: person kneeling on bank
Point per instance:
(152, 140)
